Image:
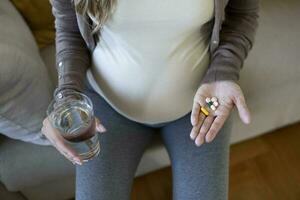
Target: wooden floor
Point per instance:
(264, 168)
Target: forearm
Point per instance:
(72, 54)
(236, 40)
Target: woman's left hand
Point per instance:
(229, 94)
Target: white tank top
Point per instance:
(152, 57)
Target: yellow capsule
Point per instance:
(203, 110)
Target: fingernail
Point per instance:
(79, 163)
(208, 140)
(198, 143)
(193, 122)
(102, 128)
(77, 160)
(192, 136)
(248, 121)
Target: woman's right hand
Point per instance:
(55, 137)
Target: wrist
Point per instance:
(214, 75)
(60, 92)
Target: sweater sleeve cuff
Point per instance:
(71, 75)
(223, 67)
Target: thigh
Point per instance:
(198, 172)
(110, 175)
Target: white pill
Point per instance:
(216, 103)
(214, 99)
(213, 107)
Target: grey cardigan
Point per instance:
(235, 25)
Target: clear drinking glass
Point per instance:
(73, 116)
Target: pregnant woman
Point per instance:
(155, 67)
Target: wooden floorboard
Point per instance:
(263, 168)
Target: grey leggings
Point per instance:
(199, 173)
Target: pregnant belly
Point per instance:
(152, 92)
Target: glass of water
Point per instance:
(73, 116)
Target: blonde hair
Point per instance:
(97, 10)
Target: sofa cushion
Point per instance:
(48, 56)
(6, 195)
(270, 77)
(25, 86)
(274, 60)
(14, 30)
(38, 16)
(25, 165)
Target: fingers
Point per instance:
(198, 101)
(207, 130)
(195, 129)
(217, 124)
(68, 156)
(59, 143)
(66, 150)
(195, 113)
(242, 107)
(203, 130)
(100, 126)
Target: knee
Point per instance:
(194, 185)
